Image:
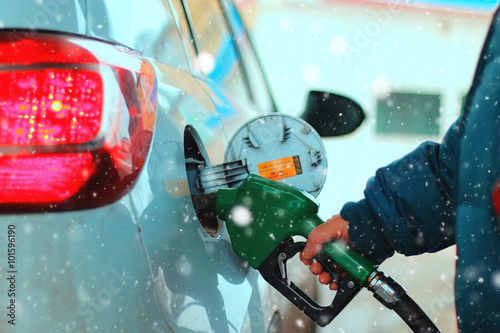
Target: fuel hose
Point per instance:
(392, 295)
(414, 316)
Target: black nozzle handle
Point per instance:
(322, 315)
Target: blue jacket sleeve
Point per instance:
(409, 205)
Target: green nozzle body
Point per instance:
(262, 213)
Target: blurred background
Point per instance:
(409, 64)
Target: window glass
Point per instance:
(59, 15)
(217, 58)
(147, 26)
(408, 113)
(251, 64)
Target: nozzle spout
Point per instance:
(225, 201)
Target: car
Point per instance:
(105, 108)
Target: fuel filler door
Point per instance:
(276, 146)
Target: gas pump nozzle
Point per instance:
(273, 213)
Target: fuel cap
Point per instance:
(281, 147)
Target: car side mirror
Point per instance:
(331, 114)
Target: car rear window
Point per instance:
(57, 15)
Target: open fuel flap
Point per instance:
(275, 146)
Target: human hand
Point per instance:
(334, 228)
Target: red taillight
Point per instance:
(50, 106)
(43, 178)
(71, 111)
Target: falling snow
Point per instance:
(241, 216)
(365, 53)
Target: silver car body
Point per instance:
(142, 262)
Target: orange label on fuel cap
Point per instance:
(281, 168)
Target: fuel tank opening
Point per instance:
(204, 180)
